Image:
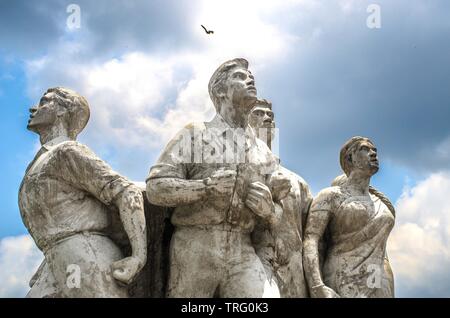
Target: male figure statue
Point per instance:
(286, 259)
(69, 199)
(219, 194)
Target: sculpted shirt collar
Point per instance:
(220, 125)
(54, 142)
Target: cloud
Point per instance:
(328, 75)
(419, 246)
(19, 260)
(140, 99)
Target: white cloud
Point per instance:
(19, 260)
(140, 99)
(419, 245)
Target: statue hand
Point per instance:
(324, 292)
(259, 200)
(125, 270)
(280, 186)
(221, 183)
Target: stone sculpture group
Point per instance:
(239, 220)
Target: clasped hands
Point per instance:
(260, 198)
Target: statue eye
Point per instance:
(365, 148)
(240, 75)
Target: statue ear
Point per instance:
(61, 111)
(350, 158)
(221, 94)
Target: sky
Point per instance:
(330, 70)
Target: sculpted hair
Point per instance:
(217, 82)
(262, 103)
(345, 156)
(77, 108)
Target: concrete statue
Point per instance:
(219, 215)
(282, 249)
(217, 176)
(74, 206)
(353, 220)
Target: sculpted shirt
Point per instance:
(67, 190)
(355, 261)
(202, 149)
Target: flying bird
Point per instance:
(207, 31)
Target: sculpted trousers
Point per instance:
(291, 279)
(208, 262)
(79, 266)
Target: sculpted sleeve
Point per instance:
(174, 159)
(83, 169)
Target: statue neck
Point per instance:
(234, 115)
(53, 132)
(359, 182)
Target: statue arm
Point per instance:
(84, 170)
(264, 244)
(130, 204)
(277, 215)
(317, 222)
(173, 192)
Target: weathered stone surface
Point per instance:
(282, 248)
(216, 176)
(152, 280)
(70, 201)
(354, 221)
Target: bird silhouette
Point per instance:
(207, 31)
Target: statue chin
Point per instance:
(374, 169)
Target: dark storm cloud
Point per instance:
(341, 79)
(390, 84)
(108, 28)
(119, 26)
(28, 27)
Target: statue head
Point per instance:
(233, 84)
(60, 106)
(359, 153)
(261, 115)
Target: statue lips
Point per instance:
(251, 88)
(30, 120)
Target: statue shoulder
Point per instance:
(73, 148)
(198, 126)
(328, 199)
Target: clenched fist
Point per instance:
(259, 200)
(126, 269)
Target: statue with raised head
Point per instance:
(354, 220)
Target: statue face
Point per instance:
(44, 115)
(241, 87)
(262, 117)
(365, 157)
